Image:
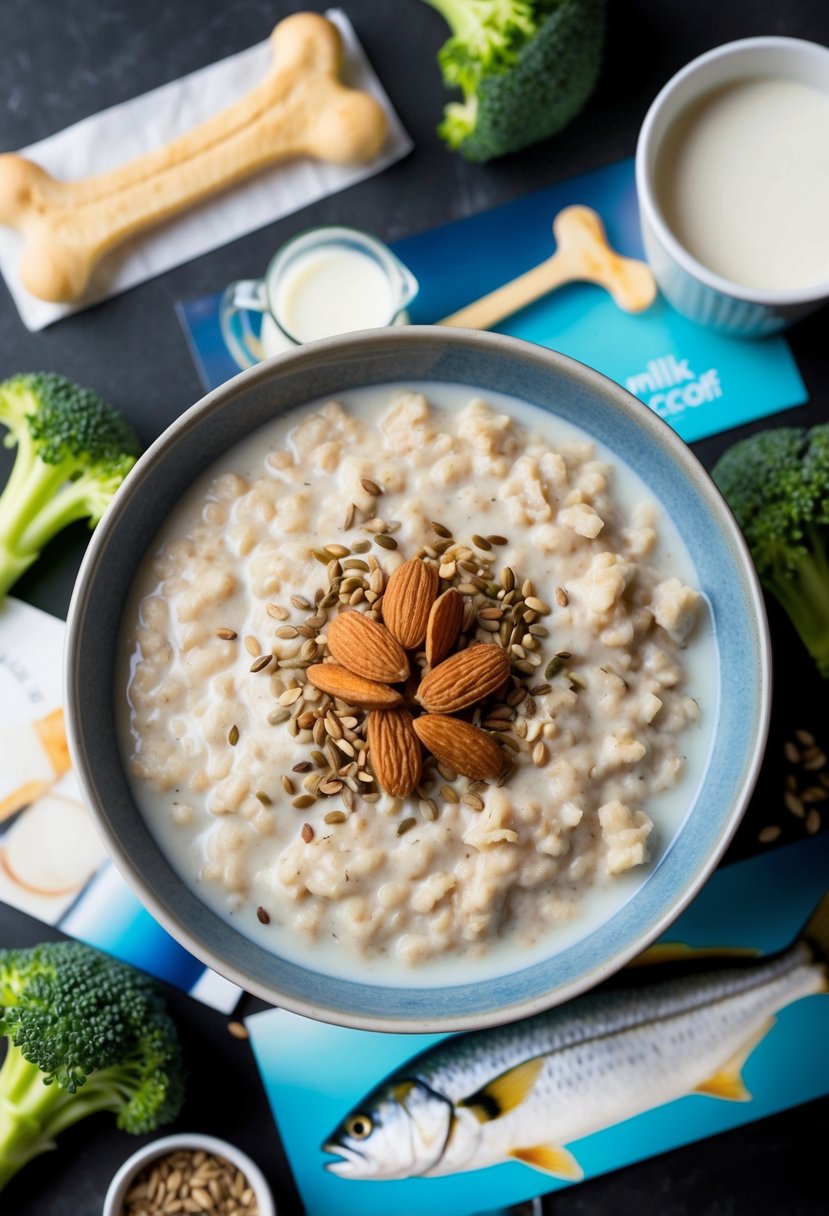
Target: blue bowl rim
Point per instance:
(380, 342)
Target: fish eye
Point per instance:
(359, 1126)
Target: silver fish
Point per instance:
(684, 1023)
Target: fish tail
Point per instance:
(816, 934)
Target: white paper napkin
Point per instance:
(133, 127)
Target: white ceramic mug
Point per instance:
(692, 288)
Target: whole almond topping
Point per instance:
(462, 746)
(463, 679)
(444, 625)
(408, 600)
(356, 690)
(367, 648)
(395, 751)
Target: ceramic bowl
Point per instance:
(124, 1178)
(486, 362)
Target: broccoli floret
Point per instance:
(777, 484)
(84, 1033)
(525, 69)
(73, 452)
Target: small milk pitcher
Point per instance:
(324, 282)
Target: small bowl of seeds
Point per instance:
(189, 1174)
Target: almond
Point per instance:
(366, 647)
(443, 626)
(408, 599)
(464, 679)
(462, 746)
(395, 751)
(356, 690)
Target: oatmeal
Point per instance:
(415, 676)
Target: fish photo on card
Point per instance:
(678, 1021)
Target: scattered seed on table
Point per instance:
(227, 635)
(791, 753)
(497, 540)
(540, 754)
(370, 487)
(307, 833)
(233, 735)
(805, 737)
(385, 542)
(335, 817)
(813, 821)
(304, 766)
(263, 797)
(441, 530)
(277, 612)
(238, 1030)
(287, 784)
(262, 916)
(261, 663)
(405, 825)
(768, 835)
(794, 804)
(303, 802)
(473, 801)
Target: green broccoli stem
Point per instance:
(803, 591)
(475, 22)
(32, 483)
(36, 503)
(33, 1115)
(71, 502)
(459, 15)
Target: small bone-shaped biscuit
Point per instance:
(582, 254)
(301, 108)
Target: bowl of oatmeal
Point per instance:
(418, 679)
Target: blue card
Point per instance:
(699, 381)
(316, 1075)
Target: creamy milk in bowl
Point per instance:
(419, 697)
(733, 185)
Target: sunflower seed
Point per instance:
(768, 835)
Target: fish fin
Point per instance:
(551, 1160)
(505, 1092)
(727, 1082)
(816, 935)
(671, 952)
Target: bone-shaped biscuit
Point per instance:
(301, 108)
(582, 255)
